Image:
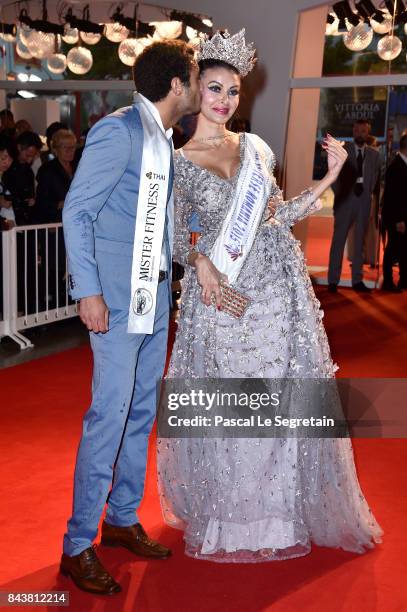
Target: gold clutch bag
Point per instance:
(233, 302)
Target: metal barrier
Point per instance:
(35, 280)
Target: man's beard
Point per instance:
(360, 141)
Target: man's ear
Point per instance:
(176, 86)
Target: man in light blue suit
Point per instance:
(101, 224)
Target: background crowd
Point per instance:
(34, 180)
(36, 173)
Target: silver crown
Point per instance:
(230, 49)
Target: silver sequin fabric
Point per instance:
(245, 499)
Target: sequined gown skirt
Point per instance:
(251, 500)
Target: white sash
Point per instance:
(150, 222)
(246, 210)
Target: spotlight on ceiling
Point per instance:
(139, 28)
(201, 25)
(83, 25)
(344, 12)
(398, 9)
(367, 11)
(40, 25)
(8, 28)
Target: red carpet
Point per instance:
(319, 235)
(42, 403)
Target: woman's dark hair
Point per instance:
(7, 144)
(158, 64)
(214, 63)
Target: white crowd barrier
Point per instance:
(35, 280)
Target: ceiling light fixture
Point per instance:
(345, 15)
(41, 25)
(83, 25)
(194, 22)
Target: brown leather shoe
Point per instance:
(135, 539)
(88, 573)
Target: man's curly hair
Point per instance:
(158, 64)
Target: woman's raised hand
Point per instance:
(336, 154)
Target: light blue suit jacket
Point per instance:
(100, 210)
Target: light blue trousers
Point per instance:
(113, 449)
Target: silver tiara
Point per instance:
(230, 49)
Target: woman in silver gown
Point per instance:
(251, 499)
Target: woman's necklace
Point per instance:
(212, 139)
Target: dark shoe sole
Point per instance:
(68, 574)
(115, 544)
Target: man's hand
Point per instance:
(94, 313)
(401, 227)
(209, 279)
